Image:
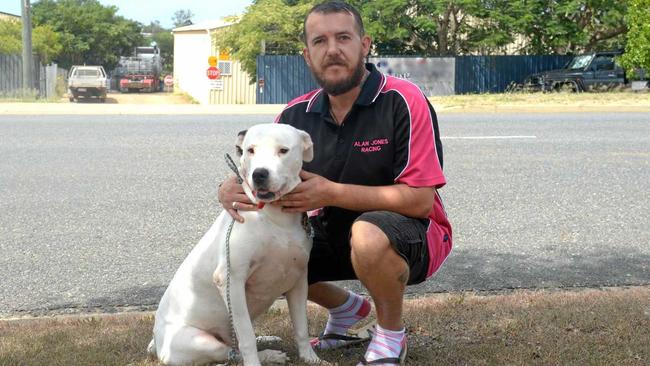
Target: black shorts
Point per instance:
(330, 255)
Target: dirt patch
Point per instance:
(148, 98)
(140, 98)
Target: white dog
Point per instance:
(268, 258)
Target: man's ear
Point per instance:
(307, 147)
(305, 55)
(238, 142)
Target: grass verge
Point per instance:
(550, 102)
(585, 327)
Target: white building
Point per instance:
(193, 47)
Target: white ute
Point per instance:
(87, 81)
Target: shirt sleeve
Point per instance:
(417, 160)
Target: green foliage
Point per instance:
(90, 33)
(443, 27)
(573, 26)
(46, 42)
(164, 39)
(637, 50)
(10, 37)
(272, 21)
(182, 18)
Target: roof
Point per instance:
(203, 26)
(9, 14)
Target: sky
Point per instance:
(146, 11)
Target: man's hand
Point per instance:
(313, 192)
(232, 197)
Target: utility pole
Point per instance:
(28, 62)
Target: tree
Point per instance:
(46, 42)
(637, 50)
(90, 33)
(271, 22)
(440, 27)
(573, 26)
(164, 39)
(182, 18)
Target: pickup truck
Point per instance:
(595, 71)
(87, 81)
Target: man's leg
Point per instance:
(345, 310)
(381, 270)
(385, 274)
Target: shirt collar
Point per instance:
(369, 92)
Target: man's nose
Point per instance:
(332, 47)
(260, 175)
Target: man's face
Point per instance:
(335, 52)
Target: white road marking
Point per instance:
(486, 137)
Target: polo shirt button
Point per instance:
(341, 140)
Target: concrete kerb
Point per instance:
(135, 109)
(275, 109)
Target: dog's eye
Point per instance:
(251, 150)
(283, 150)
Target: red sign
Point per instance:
(169, 80)
(213, 73)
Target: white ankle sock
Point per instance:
(386, 344)
(341, 318)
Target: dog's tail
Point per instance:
(151, 349)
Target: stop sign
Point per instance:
(213, 73)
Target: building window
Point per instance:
(225, 67)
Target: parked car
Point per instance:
(87, 82)
(597, 70)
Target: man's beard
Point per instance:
(335, 88)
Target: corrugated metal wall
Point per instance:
(287, 77)
(236, 88)
(11, 75)
(493, 74)
(284, 78)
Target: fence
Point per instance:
(45, 77)
(282, 78)
(493, 74)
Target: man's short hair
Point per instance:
(331, 7)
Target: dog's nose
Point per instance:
(260, 175)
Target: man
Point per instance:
(371, 189)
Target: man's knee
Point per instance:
(367, 239)
(370, 244)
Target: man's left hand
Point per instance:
(313, 192)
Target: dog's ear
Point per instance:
(238, 142)
(307, 147)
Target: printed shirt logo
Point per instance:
(368, 146)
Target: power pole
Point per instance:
(28, 62)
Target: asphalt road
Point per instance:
(97, 212)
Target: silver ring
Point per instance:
(234, 205)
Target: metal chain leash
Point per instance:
(233, 354)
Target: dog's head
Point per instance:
(271, 157)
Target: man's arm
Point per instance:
(316, 192)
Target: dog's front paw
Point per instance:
(271, 356)
(310, 357)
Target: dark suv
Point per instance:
(585, 72)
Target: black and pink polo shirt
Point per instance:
(390, 136)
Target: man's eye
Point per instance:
(284, 150)
(251, 150)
